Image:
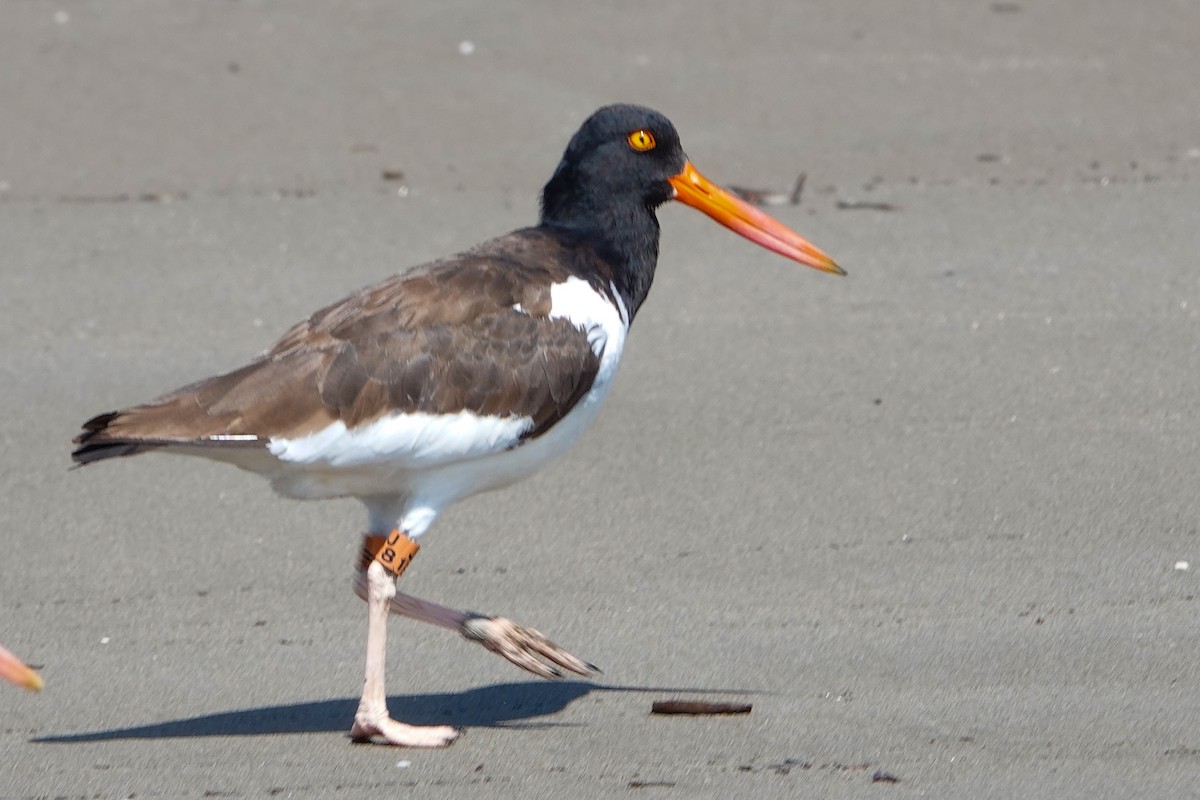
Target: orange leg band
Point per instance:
(393, 552)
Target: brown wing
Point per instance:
(443, 338)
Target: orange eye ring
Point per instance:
(641, 140)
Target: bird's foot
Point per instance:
(523, 647)
(368, 727)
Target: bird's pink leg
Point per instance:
(372, 719)
(524, 647)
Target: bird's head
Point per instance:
(627, 157)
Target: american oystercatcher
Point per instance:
(12, 670)
(454, 378)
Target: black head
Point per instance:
(622, 164)
(622, 155)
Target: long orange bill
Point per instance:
(11, 669)
(697, 191)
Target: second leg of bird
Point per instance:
(372, 718)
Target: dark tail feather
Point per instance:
(96, 445)
(102, 450)
(95, 425)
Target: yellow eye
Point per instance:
(641, 141)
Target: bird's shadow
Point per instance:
(502, 705)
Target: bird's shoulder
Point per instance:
(467, 292)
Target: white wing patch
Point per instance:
(404, 441)
(577, 302)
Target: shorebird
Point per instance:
(453, 378)
(12, 670)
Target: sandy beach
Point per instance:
(937, 521)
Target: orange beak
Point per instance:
(11, 669)
(697, 191)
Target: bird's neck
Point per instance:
(625, 235)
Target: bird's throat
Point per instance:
(624, 234)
